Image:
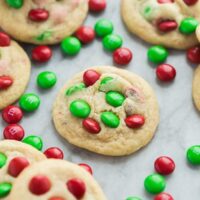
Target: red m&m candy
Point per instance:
(38, 15)
(56, 198)
(190, 2)
(167, 25)
(54, 152)
(164, 165)
(135, 121)
(5, 82)
(17, 165)
(165, 1)
(41, 53)
(122, 56)
(12, 114)
(163, 196)
(165, 72)
(13, 132)
(85, 34)
(193, 54)
(97, 5)
(91, 125)
(86, 167)
(90, 77)
(4, 40)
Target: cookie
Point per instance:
(14, 157)
(171, 23)
(56, 180)
(195, 88)
(14, 73)
(42, 22)
(106, 110)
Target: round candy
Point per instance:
(86, 167)
(105, 80)
(91, 125)
(29, 102)
(122, 56)
(164, 165)
(5, 82)
(165, 72)
(71, 46)
(4, 40)
(193, 54)
(110, 119)
(103, 27)
(190, 2)
(38, 15)
(54, 152)
(163, 196)
(5, 189)
(188, 25)
(157, 54)
(154, 183)
(193, 155)
(80, 108)
(46, 79)
(85, 34)
(115, 99)
(135, 121)
(133, 198)
(90, 77)
(41, 53)
(97, 5)
(112, 42)
(3, 159)
(15, 3)
(39, 185)
(12, 114)
(75, 88)
(76, 187)
(167, 25)
(13, 132)
(34, 141)
(17, 165)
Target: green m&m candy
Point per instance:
(110, 119)
(80, 108)
(112, 42)
(75, 88)
(133, 198)
(103, 27)
(29, 102)
(114, 98)
(46, 80)
(71, 46)
(106, 80)
(157, 54)
(15, 3)
(193, 155)
(155, 183)
(34, 141)
(188, 25)
(5, 189)
(3, 159)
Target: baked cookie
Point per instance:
(106, 110)
(14, 71)
(195, 88)
(171, 23)
(42, 22)
(56, 180)
(14, 157)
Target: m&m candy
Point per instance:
(167, 25)
(110, 119)
(133, 198)
(86, 167)
(5, 82)
(122, 56)
(135, 121)
(85, 34)
(4, 40)
(193, 54)
(5, 189)
(3, 159)
(46, 79)
(115, 99)
(188, 25)
(97, 5)
(54, 152)
(103, 27)
(15, 3)
(163, 196)
(165, 72)
(193, 155)
(90, 77)
(91, 125)
(112, 42)
(38, 15)
(41, 53)
(34, 141)
(190, 2)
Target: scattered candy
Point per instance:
(110, 119)
(193, 54)
(29, 102)
(41, 53)
(163, 196)
(39, 185)
(85, 34)
(135, 121)
(157, 54)
(80, 108)
(4, 40)
(90, 77)
(17, 165)
(86, 167)
(97, 5)
(71, 46)
(115, 99)
(75, 88)
(103, 27)
(190, 2)
(133, 198)
(112, 42)
(5, 189)
(46, 79)
(188, 25)
(91, 125)
(122, 56)
(165, 72)
(3, 159)
(76, 187)
(15, 3)
(167, 25)
(54, 152)
(193, 155)
(154, 183)
(164, 165)
(38, 15)
(13, 132)
(5, 82)
(34, 141)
